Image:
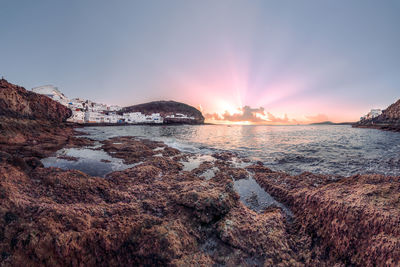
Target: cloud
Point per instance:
(260, 116)
(249, 114)
(272, 118)
(213, 116)
(246, 114)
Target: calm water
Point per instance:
(338, 150)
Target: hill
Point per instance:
(31, 125)
(17, 102)
(388, 120)
(168, 108)
(331, 123)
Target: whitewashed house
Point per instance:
(52, 92)
(78, 116)
(156, 118)
(372, 114)
(94, 117)
(113, 118)
(114, 108)
(179, 116)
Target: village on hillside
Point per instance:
(371, 115)
(87, 111)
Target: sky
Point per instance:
(239, 61)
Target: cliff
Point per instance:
(388, 120)
(17, 102)
(168, 108)
(31, 125)
(391, 114)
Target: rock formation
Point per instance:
(17, 102)
(388, 120)
(354, 219)
(168, 108)
(31, 125)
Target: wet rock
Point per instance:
(4, 157)
(261, 235)
(33, 162)
(259, 168)
(134, 217)
(20, 163)
(209, 202)
(73, 141)
(237, 173)
(355, 219)
(169, 152)
(130, 149)
(35, 138)
(388, 120)
(69, 158)
(224, 155)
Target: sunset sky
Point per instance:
(277, 62)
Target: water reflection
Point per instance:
(337, 149)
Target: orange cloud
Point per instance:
(249, 114)
(272, 118)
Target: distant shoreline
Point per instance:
(199, 124)
(133, 124)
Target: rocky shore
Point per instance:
(389, 119)
(166, 210)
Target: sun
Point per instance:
(224, 106)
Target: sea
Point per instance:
(324, 149)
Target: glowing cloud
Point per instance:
(249, 115)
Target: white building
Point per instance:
(155, 118)
(113, 118)
(138, 117)
(52, 92)
(76, 103)
(94, 117)
(134, 117)
(372, 114)
(114, 108)
(179, 116)
(78, 116)
(86, 111)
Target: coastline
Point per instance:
(135, 124)
(158, 199)
(162, 206)
(382, 126)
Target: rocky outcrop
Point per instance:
(150, 214)
(155, 213)
(169, 108)
(17, 102)
(354, 219)
(392, 113)
(388, 120)
(31, 125)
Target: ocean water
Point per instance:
(325, 149)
